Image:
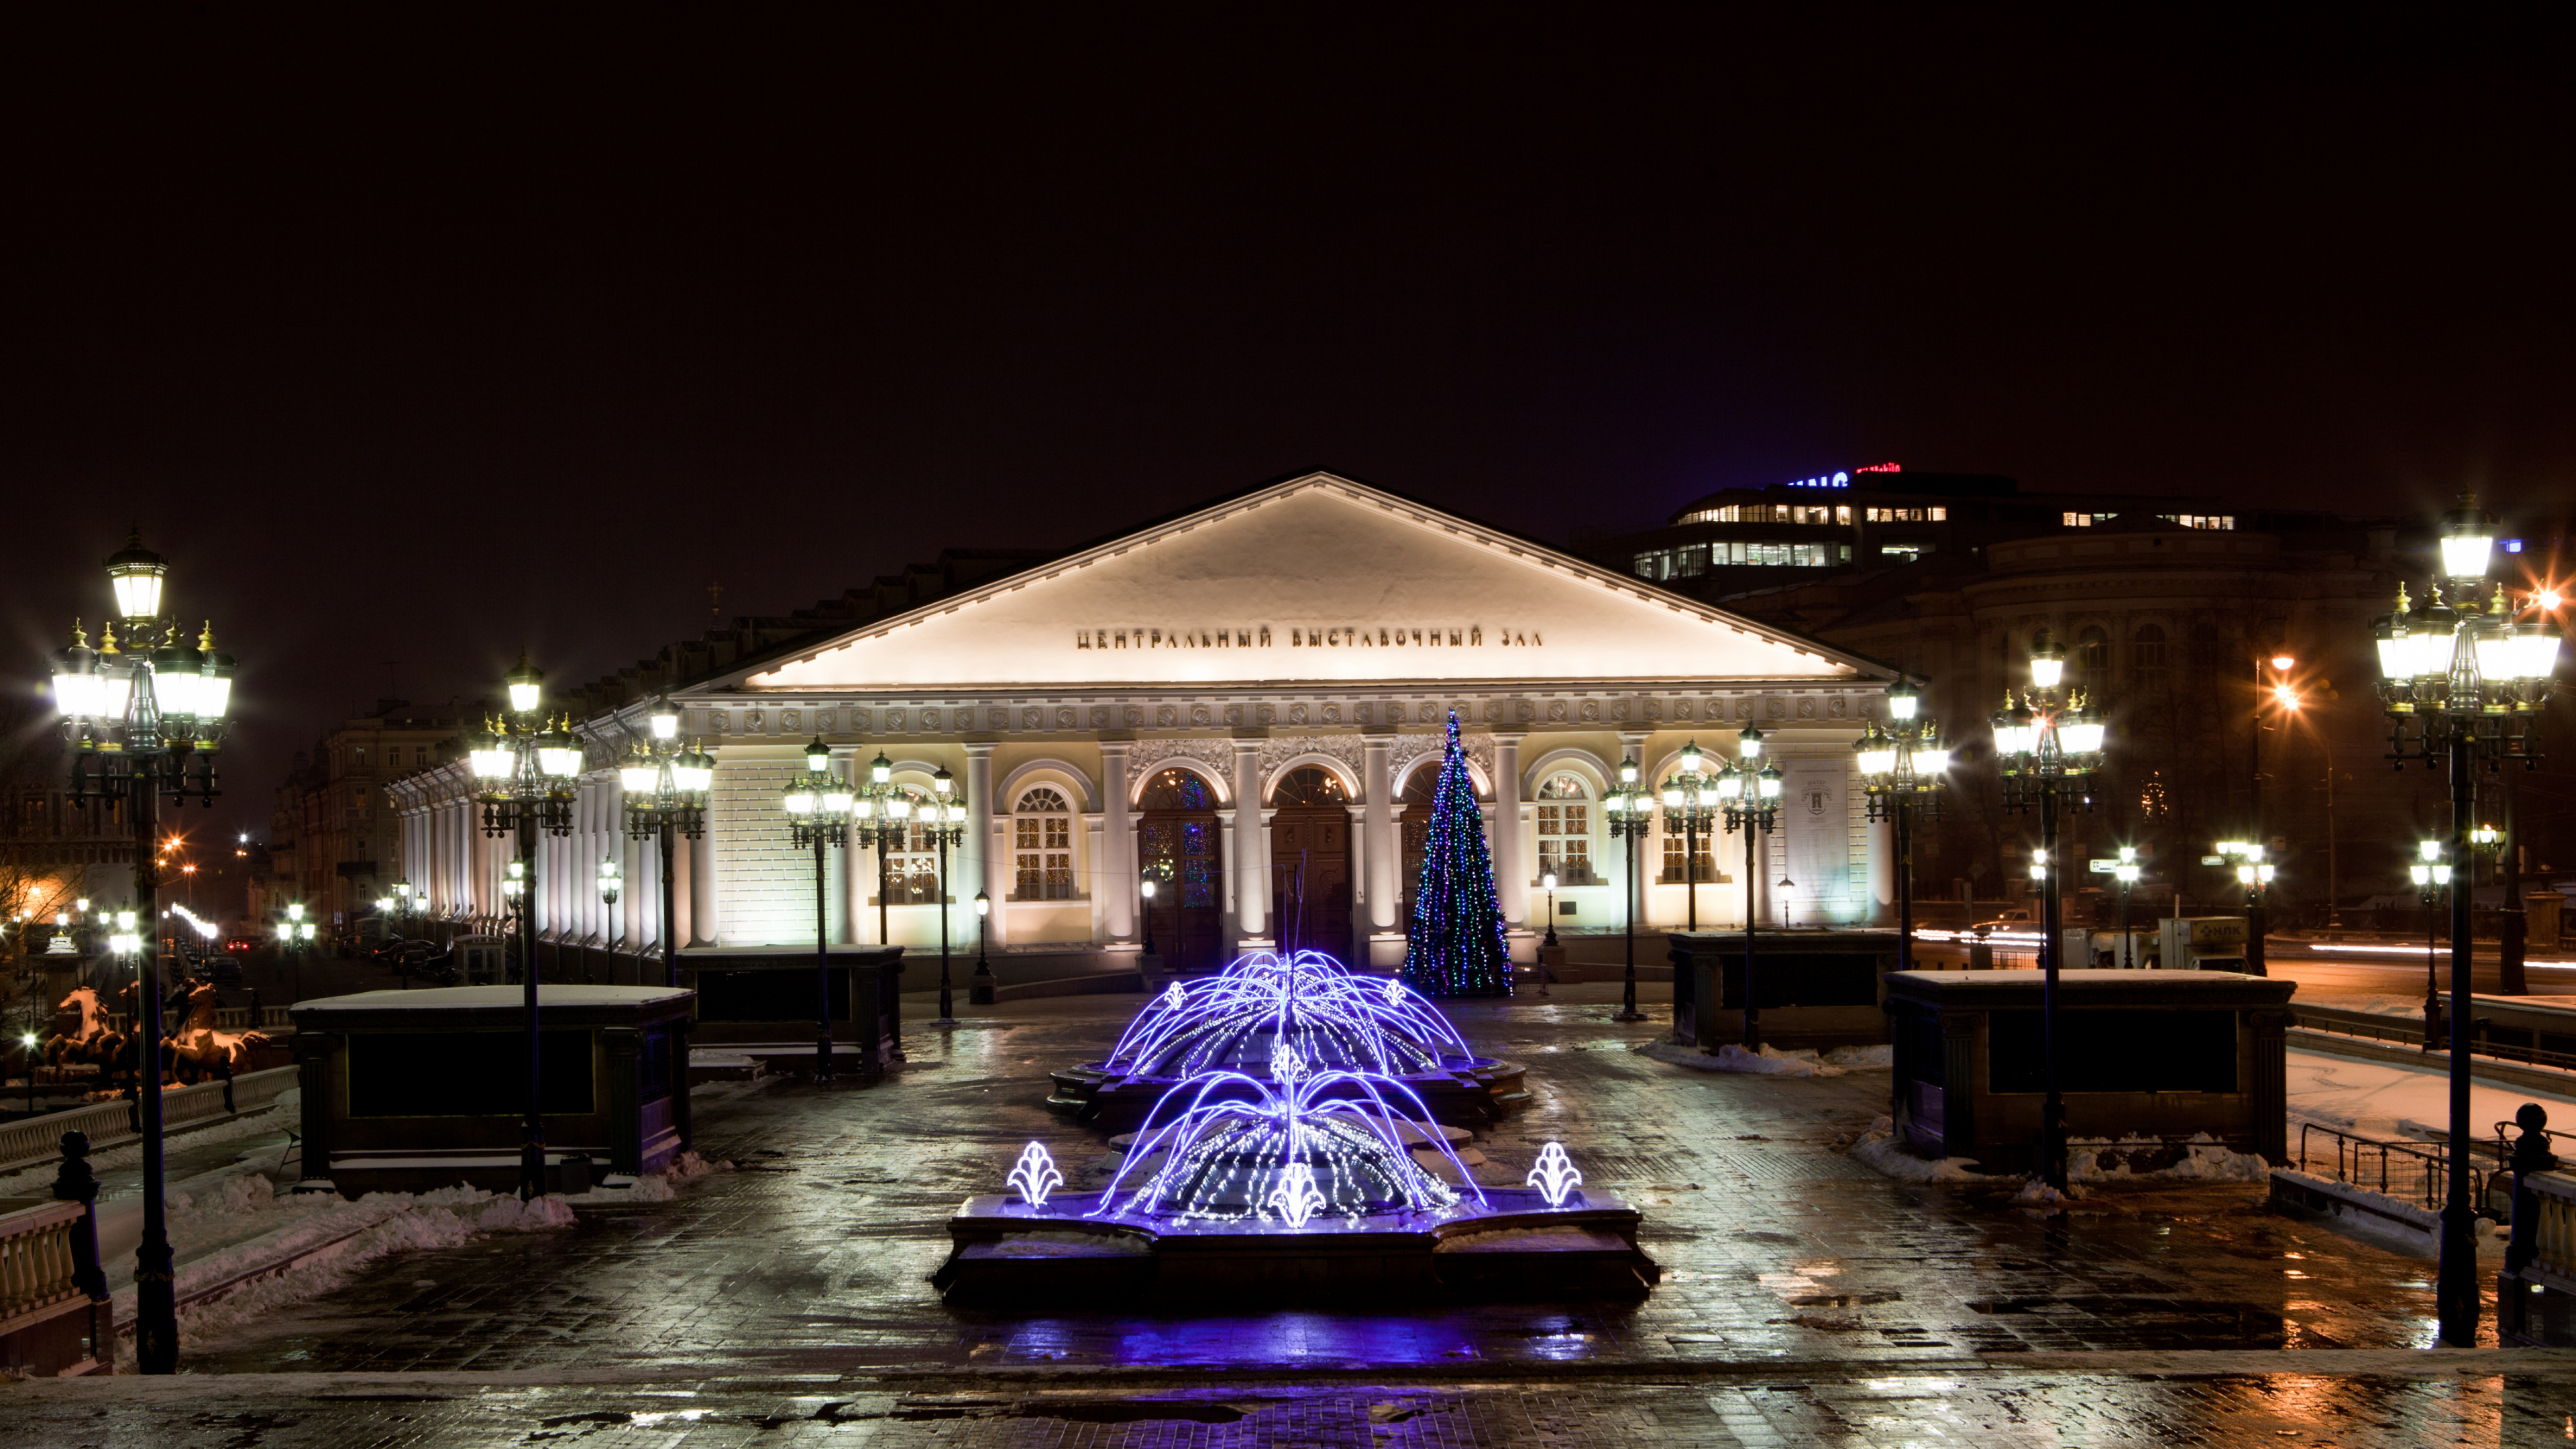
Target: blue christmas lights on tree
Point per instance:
(1457, 947)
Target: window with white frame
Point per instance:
(1677, 866)
(1565, 830)
(1042, 847)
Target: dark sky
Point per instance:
(416, 339)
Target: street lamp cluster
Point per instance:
(2457, 677)
(1630, 813)
(1902, 769)
(530, 770)
(2048, 752)
(823, 811)
(665, 786)
(144, 721)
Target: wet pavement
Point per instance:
(1805, 1299)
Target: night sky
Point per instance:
(417, 342)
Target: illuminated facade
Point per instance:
(1245, 704)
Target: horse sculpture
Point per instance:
(197, 1050)
(93, 1042)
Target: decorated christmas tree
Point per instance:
(1457, 948)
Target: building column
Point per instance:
(982, 853)
(1882, 854)
(1509, 876)
(1377, 830)
(1251, 861)
(683, 870)
(1113, 866)
(705, 927)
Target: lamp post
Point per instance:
(2279, 691)
(395, 907)
(2126, 872)
(664, 787)
(611, 879)
(1145, 894)
(2432, 876)
(881, 816)
(145, 722)
(2048, 752)
(1902, 769)
(294, 939)
(1749, 800)
(945, 824)
(1690, 801)
(819, 807)
(1631, 813)
(1547, 882)
(528, 768)
(2456, 678)
(980, 993)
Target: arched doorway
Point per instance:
(1178, 847)
(1310, 862)
(1414, 831)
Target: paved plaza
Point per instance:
(1806, 1299)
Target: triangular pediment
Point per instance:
(1317, 578)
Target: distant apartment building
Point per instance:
(331, 832)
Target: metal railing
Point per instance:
(33, 1140)
(2370, 1028)
(36, 1254)
(2552, 1233)
(2413, 1172)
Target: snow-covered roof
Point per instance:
(466, 998)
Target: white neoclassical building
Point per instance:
(1246, 703)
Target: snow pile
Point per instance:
(1879, 1148)
(1770, 1061)
(2036, 1193)
(329, 1238)
(2204, 1159)
(689, 1164)
(1861, 1058)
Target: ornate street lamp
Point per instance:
(1902, 769)
(944, 821)
(664, 787)
(1690, 802)
(1631, 813)
(2456, 678)
(881, 816)
(1145, 894)
(2126, 870)
(394, 909)
(1749, 800)
(2048, 753)
(2432, 876)
(528, 768)
(981, 992)
(819, 807)
(145, 722)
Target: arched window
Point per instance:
(1565, 830)
(2147, 657)
(912, 869)
(1042, 847)
(2092, 659)
(1177, 790)
(1309, 785)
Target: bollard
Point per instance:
(2530, 1154)
(75, 1182)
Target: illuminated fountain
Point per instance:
(1299, 1180)
(1306, 1004)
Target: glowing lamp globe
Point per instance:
(136, 574)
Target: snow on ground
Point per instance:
(2385, 1099)
(1771, 1061)
(2204, 1159)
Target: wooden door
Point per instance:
(1310, 863)
(1180, 847)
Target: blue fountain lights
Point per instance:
(1305, 1001)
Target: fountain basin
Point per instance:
(1005, 1252)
